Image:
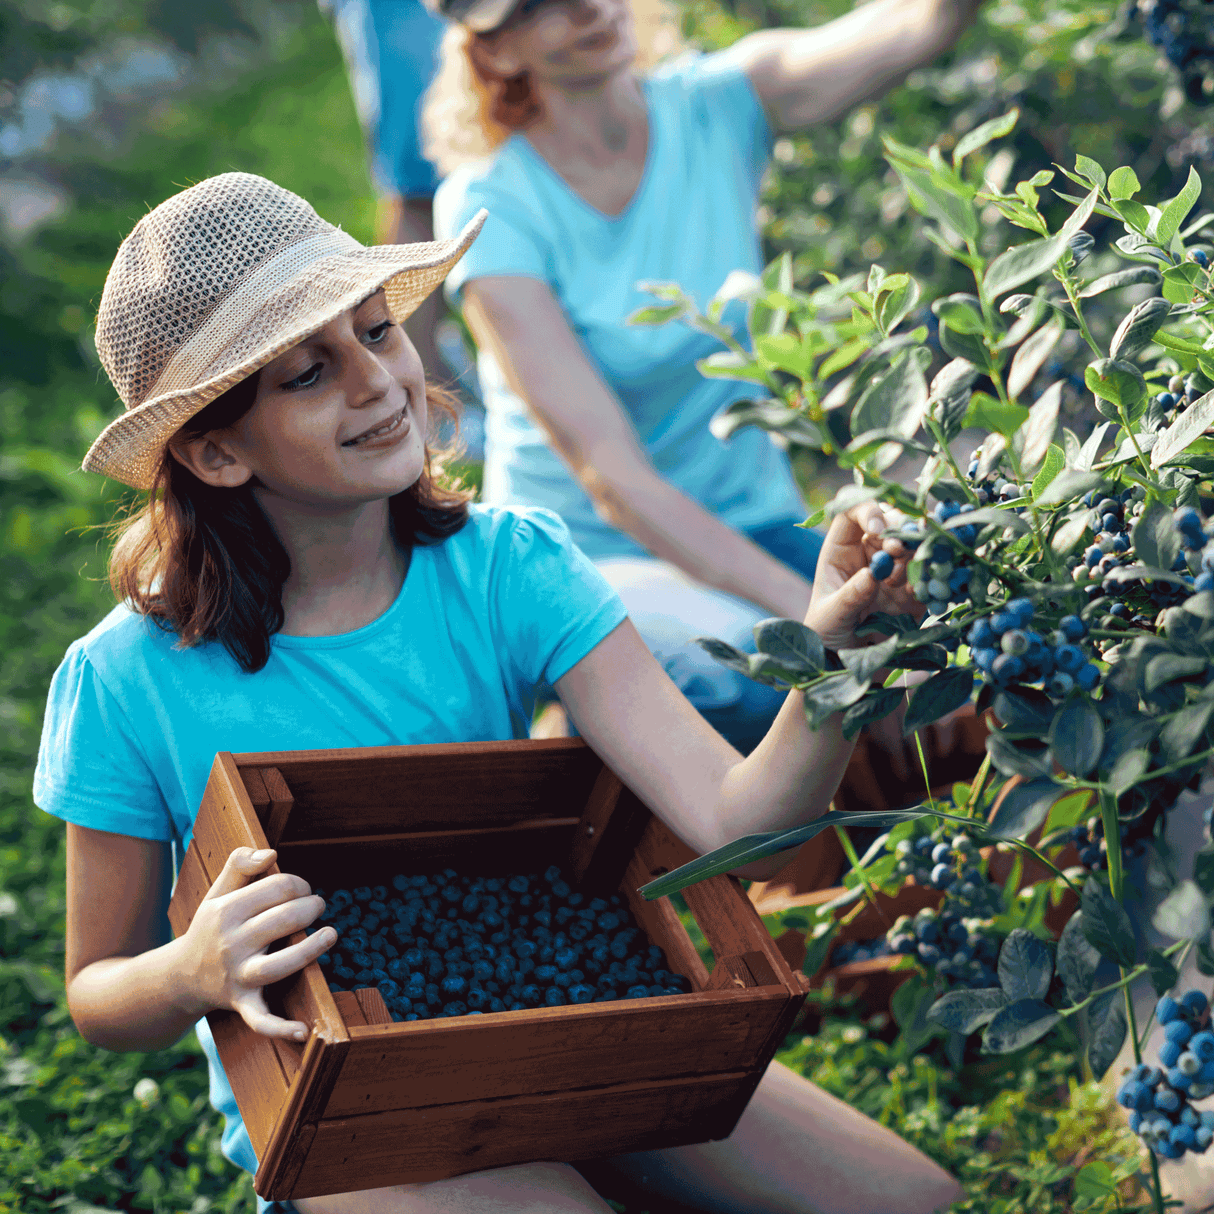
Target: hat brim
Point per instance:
(131, 448)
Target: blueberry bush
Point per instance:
(1065, 577)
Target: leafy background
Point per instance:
(108, 106)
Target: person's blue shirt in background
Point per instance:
(133, 722)
(691, 221)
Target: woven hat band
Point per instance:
(192, 361)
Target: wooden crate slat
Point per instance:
(410, 1064)
(350, 1009)
(441, 1141)
(374, 1009)
(295, 1125)
(385, 789)
(193, 881)
(280, 801)
(660, 922)
(253, 1070)
(606, 834)
(747, 970)
(255, 786)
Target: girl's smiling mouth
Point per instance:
(395, 427)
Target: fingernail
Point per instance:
(300, 1035)
(261, 856)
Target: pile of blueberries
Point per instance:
(1159, 1097)
(1184, 31)
(961, 948)
(445, 945)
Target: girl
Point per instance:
(299, 578)
(599, 175)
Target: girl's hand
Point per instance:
(236, 922)
(845, 592)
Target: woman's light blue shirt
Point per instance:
(691, 221)
(133, 722)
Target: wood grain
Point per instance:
(409, 1146)
(505, 1054)
(253, 1070)
(607, 834)
(396, 789)
(280, 803)
(374, 1009)
(660, 922)
(193, 881)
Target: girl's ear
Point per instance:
(210, 459)
(492, 58)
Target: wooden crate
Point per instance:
(366, 1102)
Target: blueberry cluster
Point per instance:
(1184, 31)
(1007, 651)
(951, 866)
(443, 945)
(859, 950)
(1198, 548)
(1159, 1096)
(963, 949)
(945, 576)
(1089, 839)
(1181, 392)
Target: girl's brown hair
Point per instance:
(206, 564)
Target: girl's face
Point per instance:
(338, 421)
(571, 42)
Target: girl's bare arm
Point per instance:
(631, 713)
(807, 76)
(521, 323)
(130, 986)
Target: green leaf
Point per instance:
(1009, 760)
(1085, 166)
(1068, 485)
(964, 345)
(1024, 713)
(1183, 914)
(657, 314)
(1179, 283)
(1053, 464)
(1164, 667)
(962, 313)
(967, 1010)
(824, 699)
(986, 413)
(980, 136)
(1077, 736)
(1164, 975)
(817, 946)
(1123, 183)
(792, 644)
(1022, 264)
(1205, 959)
(1028, 359)
(871, 708)
(1175, 212)
(1095, 1181)
(1183, 731)
(786, 351)
(1105, 924)
(1121, 278)
(865, 661)
(941, 694)
(1128, 771)
(771, 673)
(1025, 966)
(1156, 541)
(1039, 429)
(1077, 960)
(1119, 382)
(726, 364)
(1024, 808)
(933, 194)
(897, 401)
(1191, 424)
(1136, 331)
(1017, 1025)
(724, 653)
(1107, 1018)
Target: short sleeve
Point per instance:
(91, 770)
(552, 605)
(509, 243)
(722, 96)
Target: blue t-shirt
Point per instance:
(691, 221)
(133, 722)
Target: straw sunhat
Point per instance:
(216, 282)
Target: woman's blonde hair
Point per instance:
(469, 112)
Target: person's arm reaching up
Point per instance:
(520, 322)
(806, 76)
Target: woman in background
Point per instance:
(598, 175)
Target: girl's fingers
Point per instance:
(264, 969)
(241, 866)
(282, 919)
(253, 1011)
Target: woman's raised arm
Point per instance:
(521, 323)
(635, 718)
(803, 77)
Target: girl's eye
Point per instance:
(377, 333)
(307, 380)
